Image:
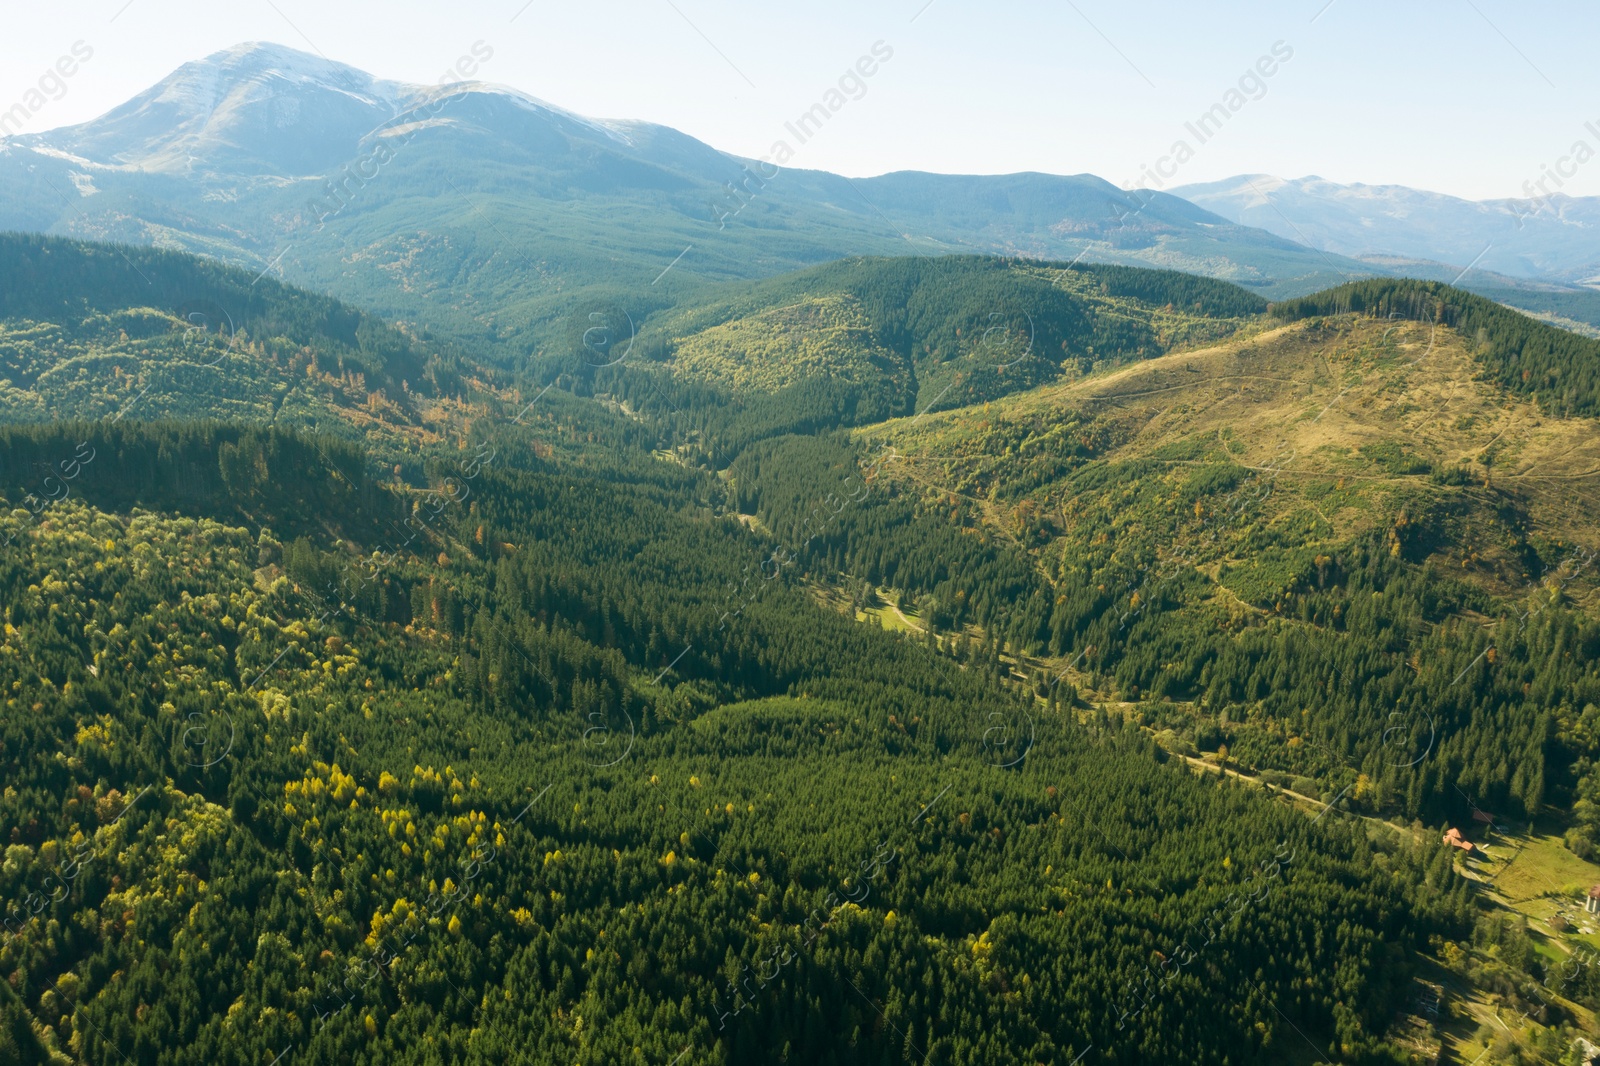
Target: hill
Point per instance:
(1527, 357)
(1248, 505)
(865, 339)
(1349, 558)
(110, 332)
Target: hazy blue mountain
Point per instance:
(1555, 238)
(1053, 217)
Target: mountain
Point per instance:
(1540, 255)
(1318, 525)
(800, 654)
(253, 109)
(1044, 216)
(1550, 238)
(481, 210)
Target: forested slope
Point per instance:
(518, 724)
(111, 332)
(861, 340)
(456, 789)
(1315, 560)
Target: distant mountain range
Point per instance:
(485, 212)
(1551, 239)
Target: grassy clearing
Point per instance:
(1356, 418)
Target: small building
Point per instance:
(1454, 838)
(1592, 904)
(1483, 816)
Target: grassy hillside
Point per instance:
(1527, 357)
(1244, 479)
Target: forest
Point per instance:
(332, 735)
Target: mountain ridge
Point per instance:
(533, 189)
(493, 216)
(1548, 237)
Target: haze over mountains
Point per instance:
(1554, 238)
(433, 204)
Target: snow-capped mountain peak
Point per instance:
(264, 106)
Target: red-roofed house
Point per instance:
(1454, 838)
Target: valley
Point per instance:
(469, 597)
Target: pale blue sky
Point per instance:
(1462, 96)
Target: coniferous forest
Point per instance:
(831, 669)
